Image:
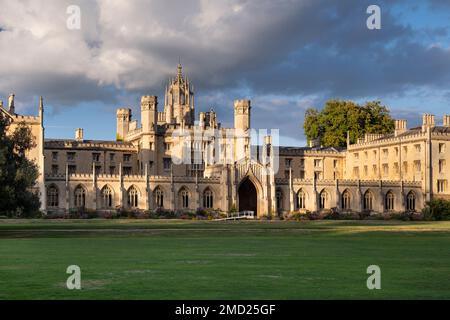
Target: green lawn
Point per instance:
(154, 259)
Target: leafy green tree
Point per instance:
(338, 117)
(18, 174)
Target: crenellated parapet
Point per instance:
(27, 119)
(404, 135)
(90, 145)
(134, 134)
(388, 140)
(307, 151)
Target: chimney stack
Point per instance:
(400, 127)
(447, 120)
(427, 121)
(79, 134)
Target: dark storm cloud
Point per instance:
(320, 47)
(275, 52)
(67, 90)
(362, 73)
(341, 57)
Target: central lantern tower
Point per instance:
(179, 100)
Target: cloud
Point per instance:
(282, 54)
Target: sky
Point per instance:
(284, 55)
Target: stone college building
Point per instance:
(173, 161)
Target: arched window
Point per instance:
(301, 199)
(346, 200)
(411, 201)
(133, 197)
(184, 198)
(389, 201)
(323, 201)
(107, 197)
(279, 196)
(52, 196)
(368, 201)
(208, 199)
(159, 198)
(80, 197)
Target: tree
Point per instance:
(18, 174)
(338, 117)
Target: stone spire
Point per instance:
(180, 72)
(41, 111)
(11, 104)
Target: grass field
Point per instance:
(155, 259)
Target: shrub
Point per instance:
(90, 214)
(349, 215)
(332, 214)
(191, 214)
(313, 215)
(221, 214)
(297, 215)
(186, 216)
(123, 213)
(210, 214)
(56, 215)
(363, 215)
(108, 214)
(161, 213)
(202, 212)
(404, 216)
(417, 216)
(437, 209)
(142, 215)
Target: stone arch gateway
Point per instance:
(248, 196)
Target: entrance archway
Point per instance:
(248, 197)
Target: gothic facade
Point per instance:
(171, 160)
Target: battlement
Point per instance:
(133, 134)
(242, 114)
(242, 103)
(353, 183)
(149, 101)
(403, 134)
(308, 151)
(131, 178)
(88, 144)
(26, 119)
(123, 111)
